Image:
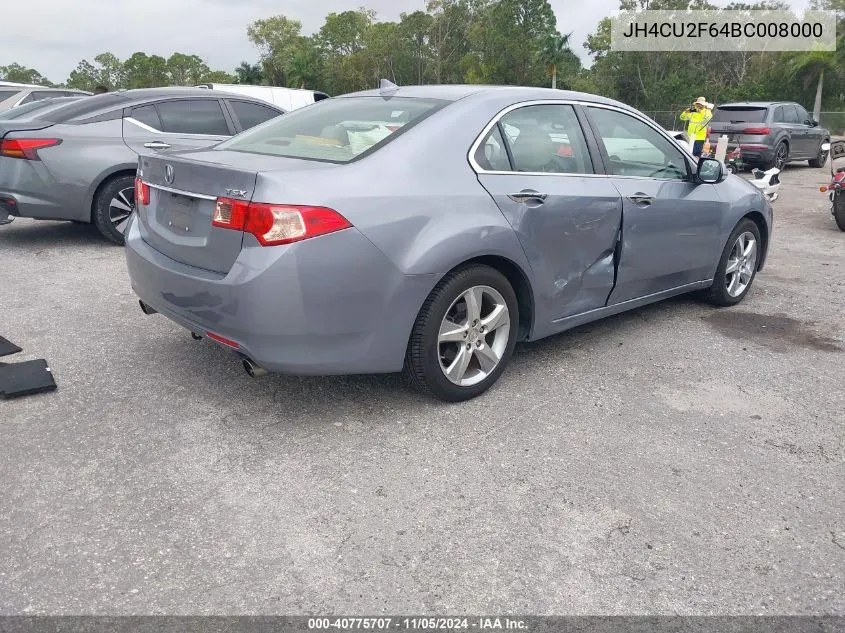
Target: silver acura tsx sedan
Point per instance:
(430, 229)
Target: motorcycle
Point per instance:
(836, 187)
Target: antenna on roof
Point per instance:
(387, 86)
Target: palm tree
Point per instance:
(248, 73)
(555, 52)
(812, 65)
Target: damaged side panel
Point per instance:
(569, 232)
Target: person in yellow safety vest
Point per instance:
(699, 117)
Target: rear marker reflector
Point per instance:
(220, 339)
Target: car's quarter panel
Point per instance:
(331, 305)
(61, 185)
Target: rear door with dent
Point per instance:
(536, 164)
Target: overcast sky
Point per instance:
(60, 33)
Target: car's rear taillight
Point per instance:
(142, 192)
(757, 131)
(274, 224)
(26, 148)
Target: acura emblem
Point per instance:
(168, 174)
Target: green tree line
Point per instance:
(487, 42)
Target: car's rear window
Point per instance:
(84, 107)
(5, 94)
(335, 130)
(739, 114)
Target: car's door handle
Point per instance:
(157, 145)
(641, 199)
(528, 194)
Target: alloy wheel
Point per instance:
(741, 264)
(121, 207)
(473, 336)
(780, 156)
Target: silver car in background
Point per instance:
(428, 229)
(41, 106)
(78, 162)
(16, 95)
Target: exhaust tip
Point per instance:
(252, 369)
(146, 309)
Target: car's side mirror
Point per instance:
(811, 123)
(710, 171)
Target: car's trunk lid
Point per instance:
(184, 188)
(737, 122)
(183, 196)
(9, 127)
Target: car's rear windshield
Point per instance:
(83, 107)
(740, 114)
(5, 94)
(335, 130)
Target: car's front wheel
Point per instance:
(737, 267)
(821, 159)
(113, 205)
(464, 335)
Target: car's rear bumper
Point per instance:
(331, 305)
(753, 153)
(28, 189)
(32, 206)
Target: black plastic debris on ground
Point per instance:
(8, 348)
(25, 379)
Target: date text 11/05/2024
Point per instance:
(416, 624)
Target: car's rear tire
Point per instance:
(737, 266)
(113, 205)
(821, 159)
(780, 157)
(464, 335)
(839, 211)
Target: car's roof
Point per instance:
(176, 91)
(106, 104)
(24, 88)
(753, 104)
(457, 92)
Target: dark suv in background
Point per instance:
(770, 134)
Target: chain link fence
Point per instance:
(670, 120)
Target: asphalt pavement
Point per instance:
(676, 459)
